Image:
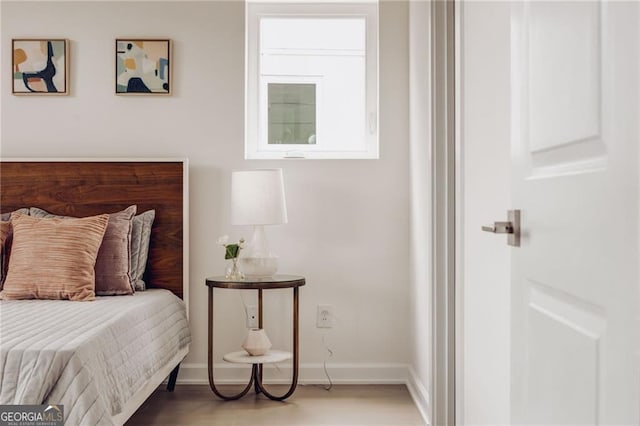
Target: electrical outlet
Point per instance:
(252, 316)
(324, 318)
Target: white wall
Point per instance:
(348, 230)
(420, 205)
(484, 97)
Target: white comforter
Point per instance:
(89, 356)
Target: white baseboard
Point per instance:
(420, 395)
(308, 373)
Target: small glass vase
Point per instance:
(233, 271)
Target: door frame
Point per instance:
(444, 193)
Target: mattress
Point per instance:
(91, 357)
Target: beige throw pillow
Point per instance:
(113, 264)
(53, 258)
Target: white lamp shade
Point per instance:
(257, 197)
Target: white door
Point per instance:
(574, 139)
(484, 289)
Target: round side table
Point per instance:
(259, 284)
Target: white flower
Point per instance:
(223, 240)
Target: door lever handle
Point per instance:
(499, 228)
(511, 228)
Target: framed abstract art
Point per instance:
(40, 66)
(143, 67)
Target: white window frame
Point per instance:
(256, 146)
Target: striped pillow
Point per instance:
(114, 274)
(53, 258)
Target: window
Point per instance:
(311, 80)
(290, 109)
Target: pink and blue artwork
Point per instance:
(143, 67)
(40, 67)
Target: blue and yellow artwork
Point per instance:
(143, 67)
(39, 66)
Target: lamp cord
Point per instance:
(324, 364)
(244, 304)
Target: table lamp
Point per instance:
(257, 198)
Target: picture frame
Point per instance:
(40, 66)
(143, 66)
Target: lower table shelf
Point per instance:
(243, 357)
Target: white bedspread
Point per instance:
(89, 356)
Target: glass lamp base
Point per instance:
(259, 267)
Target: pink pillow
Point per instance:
(113, 265)
(53, 258)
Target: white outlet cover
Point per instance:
(324, 317)
(252, 316)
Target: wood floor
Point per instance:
(345, 405)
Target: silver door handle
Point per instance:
(512, 228)
(499, 228)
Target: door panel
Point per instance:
(562, 379)
(564, 73)
(560, 55)
(574, 77)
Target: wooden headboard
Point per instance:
(88, 187)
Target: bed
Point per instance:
(100, 359)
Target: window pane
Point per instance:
(292, 113)
(320, 34)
